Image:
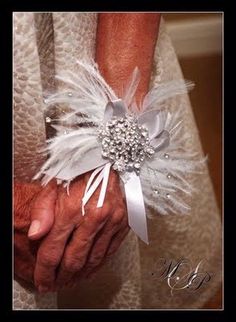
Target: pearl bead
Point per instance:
(168, 195)
(166, 156)
(169, 176)
(48, 119)
(70, 94)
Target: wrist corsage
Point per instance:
(144, 144)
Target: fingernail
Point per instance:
(34, 227)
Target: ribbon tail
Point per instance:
(106, 172)
(91, 186)
(135, 206)
(102, 174)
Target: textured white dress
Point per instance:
(43, 45)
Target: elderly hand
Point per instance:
(32, 205)
(76, 244)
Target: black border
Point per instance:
(6, 159)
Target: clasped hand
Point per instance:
(73, 246)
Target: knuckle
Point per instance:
(93, 220)
(117, 217)
(99, 217)
(106, 209)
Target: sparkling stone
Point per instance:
(48, 119)
(125, 142)
(168, 195)
(104, 154)
(130, 166)
(150, 151)
(156, 192)
(70, 94)
(169, 176)
(137, 165)
(166, 156)
(65, 132)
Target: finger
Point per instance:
(42, 212)
(49, 255)
(114, 245)
(117, 240)
(103, 240)
(77, 249)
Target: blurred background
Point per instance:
(198, 41)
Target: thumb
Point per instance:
(42, 211)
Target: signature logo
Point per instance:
(181, 274)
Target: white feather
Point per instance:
(131, 87)
(165, 91)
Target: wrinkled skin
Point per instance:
(80, 244)
(91, 237)
(30, 201)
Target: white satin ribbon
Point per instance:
(135, 206)
(103, 176)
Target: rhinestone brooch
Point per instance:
(125, 143)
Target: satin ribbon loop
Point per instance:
(102, 174)
(114, 108)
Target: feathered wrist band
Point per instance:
(141, 143)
